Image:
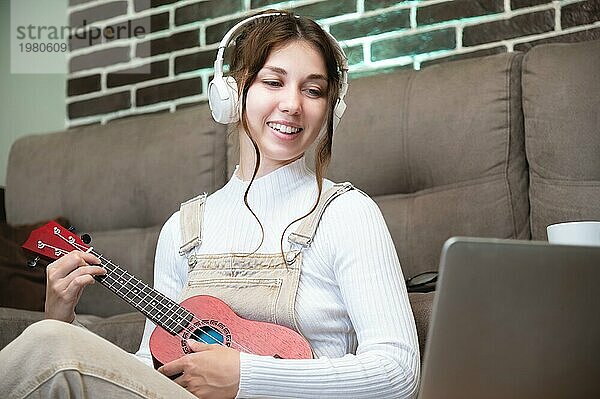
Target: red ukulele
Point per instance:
(203, 318)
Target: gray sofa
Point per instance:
(499, 146)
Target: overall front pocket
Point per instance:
(250, 298)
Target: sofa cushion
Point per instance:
(128, 173)
(441, 151)
(561, 103)
(132, 250)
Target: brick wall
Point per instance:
(170, 64)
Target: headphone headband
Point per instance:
(222, 92)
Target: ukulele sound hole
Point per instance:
(207, 335)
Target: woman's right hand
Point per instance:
(65, 280)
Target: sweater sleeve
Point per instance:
(367, 271)
(169, 276)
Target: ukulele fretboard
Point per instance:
(157, 307)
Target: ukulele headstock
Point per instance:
(53, 241)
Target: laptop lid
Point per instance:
(514, 319)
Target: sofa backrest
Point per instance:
(561, 104)
(441, 151)
(129, 173)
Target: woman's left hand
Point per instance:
(211, 372)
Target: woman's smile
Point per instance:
(285, 131)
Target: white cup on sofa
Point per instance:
(585, 233)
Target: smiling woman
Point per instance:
(319, 294)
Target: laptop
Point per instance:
(514, 319)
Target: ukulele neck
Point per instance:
(155, 306)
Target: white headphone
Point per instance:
(223, 91)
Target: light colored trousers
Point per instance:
(52, 359)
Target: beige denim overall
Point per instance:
(258, 287)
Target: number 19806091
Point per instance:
(43, 47)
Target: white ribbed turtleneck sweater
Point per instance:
(351, 304)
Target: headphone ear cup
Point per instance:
(223, 99)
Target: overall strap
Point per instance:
(191, 214)
(306, 231)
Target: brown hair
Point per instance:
(253, 44)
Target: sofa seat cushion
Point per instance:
(561, 86)
(131, 249)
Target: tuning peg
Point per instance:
(33, 263)
(86, 238)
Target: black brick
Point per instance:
(514, 4)
(583, 13)
(168, 91)
(387, 22)
(456, 10)
(206, 10)
(141, 5)
(191, 62)
(100, 105)
(425, 42)
(463, 56)
(142, 73)
(354, 54)
(168, 44)
(98, 13)
(159, 22)
(581, 36)
(326, 9)
(100, 58)
(521, 25)
(83, 85)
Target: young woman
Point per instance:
(277, 243)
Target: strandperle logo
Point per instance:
(91, 34)
(41, 39)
